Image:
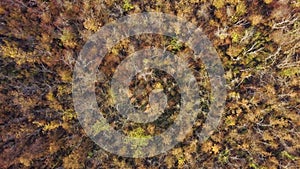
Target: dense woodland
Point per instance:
(258, 42)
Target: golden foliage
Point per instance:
(66, 75)
(234, 50)
(207, 146)
(71, 161)
(268, 1)
(11, 50)
(68, 39)
(230, 120)
(53, 103)
(260, 115)
(91, 24)
(290, 72)
(216, 148)
(26, 162)
(256, 19)
(52, 125)
(241, 8)
(127, 6)
(218, 3)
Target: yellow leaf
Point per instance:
(267, 136)
(230, 121)
(65, 75)
(24, 161)
(216, 148)
(91, 24)
(268, 1)
(206, 146)
(218, 3)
